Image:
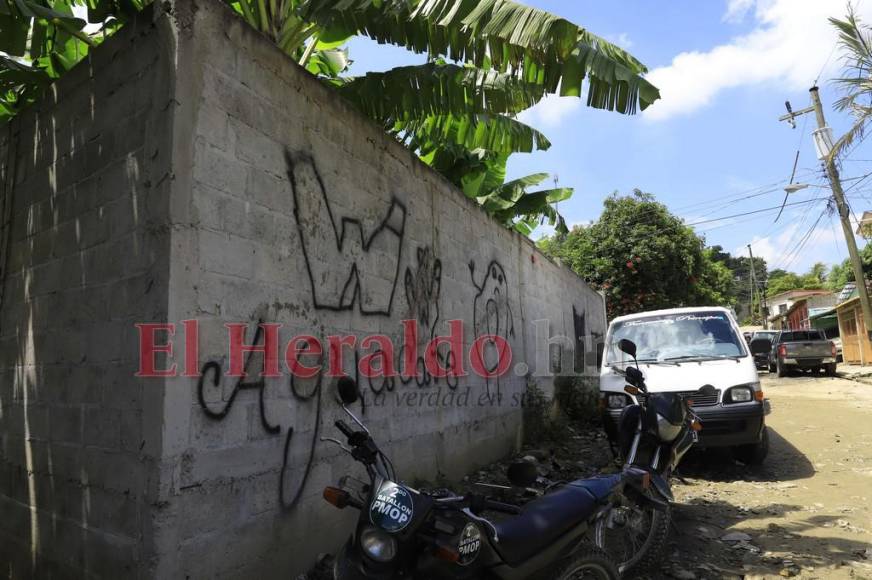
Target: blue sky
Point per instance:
(725, 68)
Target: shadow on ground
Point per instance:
(784, 463)
(700, 524)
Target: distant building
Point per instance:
(781, 304)
(856, 348)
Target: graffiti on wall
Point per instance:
(423, 284)
(345, 264)
(211, 373)
(492, 313)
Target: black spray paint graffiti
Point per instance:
(423, 286)
(423, 289)
(287, 500)
(347, 269)
(580, 330)
(492, 314)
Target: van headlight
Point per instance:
(742, 393)
(618, 401)
(378, 544)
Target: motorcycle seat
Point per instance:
(542, 522)
(600, 486)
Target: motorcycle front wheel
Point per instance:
(588, 564)
(634, 536)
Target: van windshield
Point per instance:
(677, 337)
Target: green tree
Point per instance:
(782, 281)
(745, 298)
(843, 273)
(855, 42)
(460, 116)
(643, 263)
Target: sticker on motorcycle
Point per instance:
(392, 509)
(470, 544)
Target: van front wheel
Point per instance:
(755, 453)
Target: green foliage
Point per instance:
(459, 118)
(781, 281)
(643, 258)
(816, 278)
(577, 398)
(841, 274)
(855, 42)
(742, 292)
(42, 40)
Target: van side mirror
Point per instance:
(347, 390)
(627, 347)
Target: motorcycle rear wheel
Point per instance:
(587, 564)
(637, 543)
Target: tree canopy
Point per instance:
(642, 257)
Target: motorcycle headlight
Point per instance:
(617, 401)
(378, 544)
(741, 395)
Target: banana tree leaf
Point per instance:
(495, 133)
(527, 43)
(50, 14)
(13, 34)
(100, 10)
(534, 202)
(438, 89)
(328, 63)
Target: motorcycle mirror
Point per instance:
(627, 346)
(347, 390)
(522, 473)
(707, 390)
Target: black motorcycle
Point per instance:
(653, 434)
(406, 533)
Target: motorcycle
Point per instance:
(653, 434)
(402, 532)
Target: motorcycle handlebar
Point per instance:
(346, 430)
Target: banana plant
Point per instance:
(40, 40)
(460, 116)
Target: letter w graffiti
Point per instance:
(345, 265)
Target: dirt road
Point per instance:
(805, 513)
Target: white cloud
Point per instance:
(789, 44)
(623, 40)
(737, 9)
(550, 111)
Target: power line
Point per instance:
(765, 209)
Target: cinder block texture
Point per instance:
(188, 170)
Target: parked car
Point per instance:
(679, 351)
(802, 350)
(760, 344)
(838, 342)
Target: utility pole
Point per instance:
(756, 290)
(841, 205)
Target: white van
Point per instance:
(680, 350)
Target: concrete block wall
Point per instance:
(226, 185)
(85, 255)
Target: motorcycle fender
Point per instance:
(661, 486)
(658, 494)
